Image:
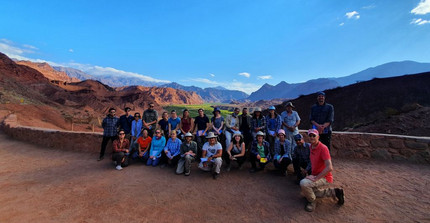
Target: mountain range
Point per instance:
(286, 90)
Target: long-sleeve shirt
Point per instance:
(118, 147)
(322, 114)
(187, 147)
(258, 123)
(231, 121)
(157, 145)
(302, 153)
(136, 128)
(125, 123)
(110, 126)
(173, 147)
(273, 124)
(278, 149)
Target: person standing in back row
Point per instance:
(125, 122)
(110, 127)
(150, 118)
(322, 117)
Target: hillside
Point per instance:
(286, 90)
(49, 72)
(373, 103)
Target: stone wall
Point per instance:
(344, 144)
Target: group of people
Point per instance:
(178, 142)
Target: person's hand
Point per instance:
(304, 172)
(280, 160)
(231, 157)
(209, 159)
(320, 129)
(258, 157)
(205, 164)
(140, 154)
(134, 138)
(151, 157)
(312, 178)
(165, 151)
(127, 151)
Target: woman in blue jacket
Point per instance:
(157, 145)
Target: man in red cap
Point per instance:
(313, 186)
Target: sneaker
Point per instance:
(215, 175)
(115, 163)
(228, 168)
(100, 158)
(340, 196)
(119, 167)
(310, 206)
(187, 173)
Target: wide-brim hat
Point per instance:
(211, 135)
(290, 104)
(237, 134)
(260, 133)
(188, 134)
(258, 109)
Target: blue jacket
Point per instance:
(136, 128)
(287, 149)
(157, 146)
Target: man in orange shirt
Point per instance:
(312, 185)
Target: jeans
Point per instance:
(298, 163)
(184, 164)
(200, 140)
(153, 162)
(118, 157)
(104, 144)
(166, 160)
(283, 165)
(240, 160)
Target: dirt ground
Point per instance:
(47, 185)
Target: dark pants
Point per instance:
(200, 140)
(271, 141)
(298, 163)
(165, 160)
(104, 144)
(283, 165)
(253, 160)
(240, 160)
(326, 139)
(118, 157)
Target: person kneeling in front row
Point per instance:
(301, 158)
(260, 152)
(211, 155)
(314, 185)
(188, 153)
(120, 150)
(282, 152)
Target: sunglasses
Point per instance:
(137, 116)
(157, 132)
(312, 135)
(122, 134)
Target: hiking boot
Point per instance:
(310, 206)
(340, 196)
(228, 168)
(215, 175)
(100, 158)
(119, 167)
(187, 173)
(115, 163)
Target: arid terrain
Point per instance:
(48, 185)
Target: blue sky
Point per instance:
(236, 44)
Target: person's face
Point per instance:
(299, 142)
(217, 113)
(151, 106)
(236, 111)
(164, 115)
(201, 113)
(121, 135)
(212, 141)
(245, 111)
(281, 137)
(272, 111)
(260, 138)
(145, 133)
(127, 111)
(188, 139)
(173, 114)
(321, 99)
(237, 138)
(137, 116)
(158, 133)
(112, 112)
(313, 138)
(289, 109)
(257, 113)
(173, 135)
(186, 113)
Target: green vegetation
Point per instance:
(194, 109)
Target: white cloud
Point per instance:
(232, 85)
(352, 15)
(422, 8)
(342, 24)
(420, 21)
(371, 6)
(71, 50)
(265, 77)
(245, 74)
(205, 81)
(212, 75)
